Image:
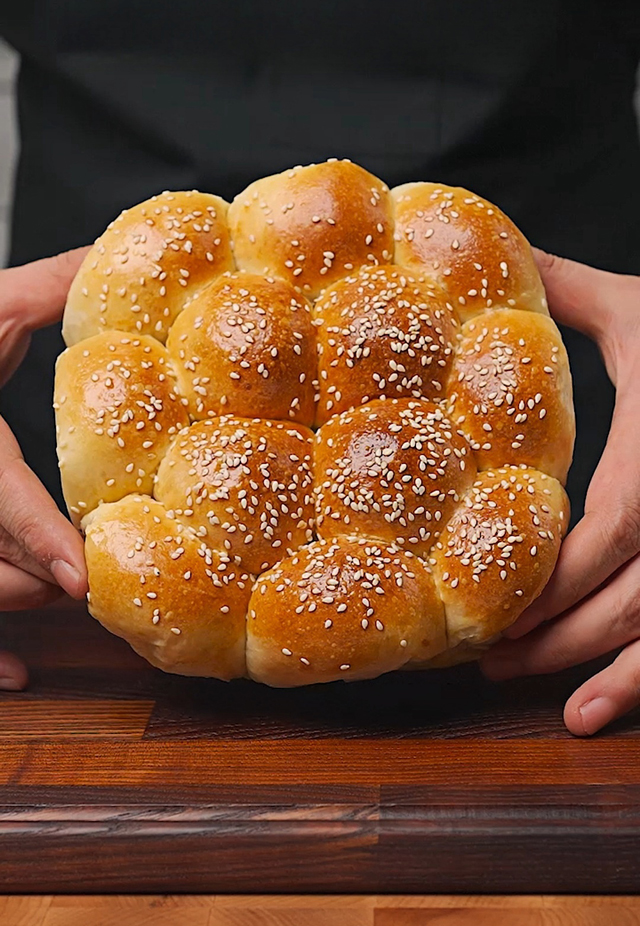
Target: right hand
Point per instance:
(41, 554)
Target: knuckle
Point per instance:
(27, 532)
(548, 263)
(623, 531)
(624, 615)
(8, 546)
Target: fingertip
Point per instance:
(13, 673)
(587, 717)
(70, 578)
(573, 720)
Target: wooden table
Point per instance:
(117, 778)
(310, 910)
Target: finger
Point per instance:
(35, 293)
(583, 297)
(606, 696)
(608, 535)
(20, 590)
(14, 345)
(31, 516)
(602, 623)
(569, 581)
(13, 672)
(13, 552)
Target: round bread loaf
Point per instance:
(348, 458)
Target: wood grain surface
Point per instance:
(313, 910)
(117, 778)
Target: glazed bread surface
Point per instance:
(320, 433)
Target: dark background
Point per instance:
(528, 104)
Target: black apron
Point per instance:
(528, 104)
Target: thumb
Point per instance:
(583, 297)
(30, 516)
(34, 294)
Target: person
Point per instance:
(530, 105)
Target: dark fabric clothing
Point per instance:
(528, 104)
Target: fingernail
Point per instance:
(596, 714)
(66, 575)
(500, 668)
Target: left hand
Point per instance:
(591, 605)
(41, 554)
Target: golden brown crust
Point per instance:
(430, 549)
(152, 581)
(117, 411)
(382, 332)
(246, 485)
(311, 225)
(342, 609)
(246, 346)
(394, 469)
(147, 264)
(498, 551)
(510, 392)
(468, 246)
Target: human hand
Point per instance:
(41, 554)
(591, 605)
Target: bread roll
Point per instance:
(245, 485)
(117, 410)
(180, 604)
(498, 550)
(510, 392)
(393, 469)
(342, 609)
(148, 263)
(468, 246)
(246, 346)
(311, 225)
(382, 332)
(349, 457)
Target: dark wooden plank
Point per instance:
(217, 799)
(320, 857)
(47, 718)
(214, 847)
(66, 637)
(417, 782)
(71, 656)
